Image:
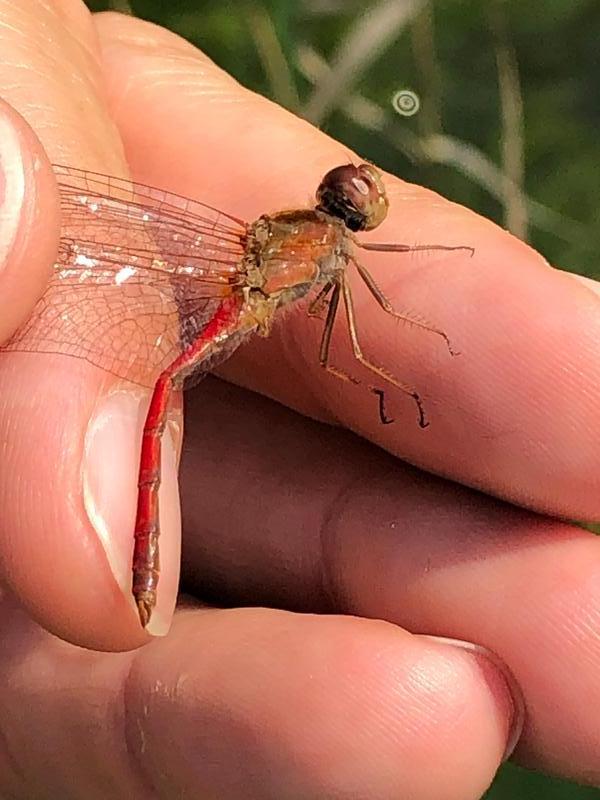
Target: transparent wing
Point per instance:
(140, 272)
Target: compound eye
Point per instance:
(376, 203)
(363, 185)
(355, 195)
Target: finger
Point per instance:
(279, 706)
(310, 518)
(592, 285)
(27, 198)
(514, 414)
(71, 433)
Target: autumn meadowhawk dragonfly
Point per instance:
(157, 289)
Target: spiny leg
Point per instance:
(338, 373)
(321, 301)
(326, 339)
(389, 309)
(377, 370)
(409, 248)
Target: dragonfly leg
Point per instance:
(383, 417)
(377, 370)
(326, 338)
(320, 302)
(335, 371)
(389, 309)
(411, 248)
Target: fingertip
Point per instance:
(68, 513)
(29, 220)
(351, 707)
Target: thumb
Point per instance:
(29, 220)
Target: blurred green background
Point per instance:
(508, 120)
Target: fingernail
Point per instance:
(12, 186)
(510, 688)
(110, 476)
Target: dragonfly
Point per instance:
(158, 289)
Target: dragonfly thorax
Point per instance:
(292, 251)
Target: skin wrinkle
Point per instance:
(194, 92)
(28, 17)
(132, 727)
(10, 28)
(69, 13)
(30, 105)
(99, 693)
(329, 538)
(53, 69)
(183, 59)
(150, 39)
(10, 762)
(587, 621)
(142, 39)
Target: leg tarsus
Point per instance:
(423, 421)
(383, 417)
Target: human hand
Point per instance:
(274, 703)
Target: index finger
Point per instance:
(515, 414)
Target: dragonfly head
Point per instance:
(356, 195)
